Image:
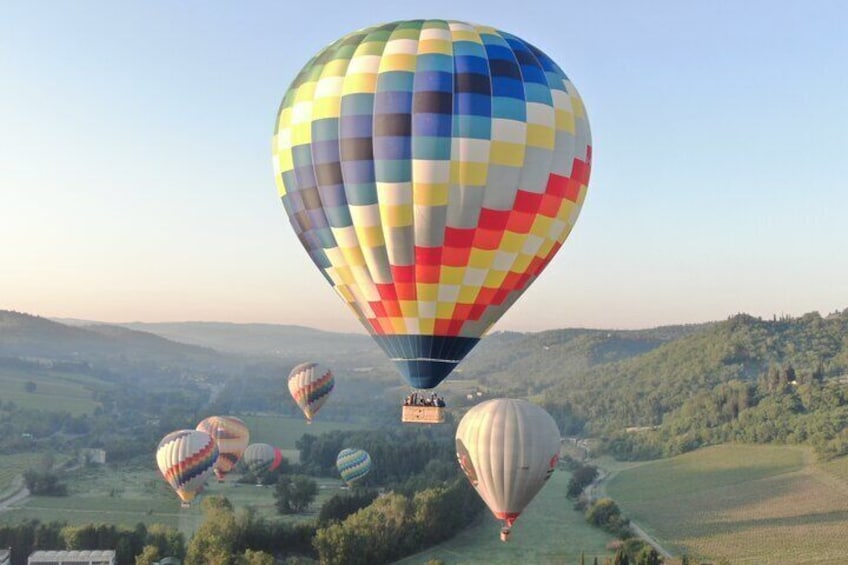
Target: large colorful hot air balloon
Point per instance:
(353, 464)
(186, 459)
(310, 384)
(431, 169)
(259, 458)
(507, 449)
(231, 435)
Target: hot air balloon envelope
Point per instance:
(431, 169)
(259, 458)
(353, 464)
(310, 384)
(186, 458)
(508, 449)
(231, 435)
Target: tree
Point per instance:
(44, 484)
(215, 539)
(605, 514)
(30, 387)
(340, 506)
(148, 556)
(621, 557)
(580, 479)
(648, 556)
(169, 541)
(294, 494)
(250, 557)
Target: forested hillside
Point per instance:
(526, 364)
(720, 383)
(644, 393)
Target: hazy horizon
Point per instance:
(361, 331)
(136, 179)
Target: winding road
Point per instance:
(14, 498)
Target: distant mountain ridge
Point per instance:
(28, 336)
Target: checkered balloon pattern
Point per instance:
(431, 169)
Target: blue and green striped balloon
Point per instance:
(353, 464)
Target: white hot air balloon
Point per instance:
(508, 449)
(186, 458)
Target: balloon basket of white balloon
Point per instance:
(185, 504)
(423, 415)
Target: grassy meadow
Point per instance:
(126, 496)
(743, 503)
(54, 390)
(548, 532)
(12, 466)
(101, 494)
(283, 431)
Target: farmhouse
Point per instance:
(73, 557)
(90, 455)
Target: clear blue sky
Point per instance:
(136, 180)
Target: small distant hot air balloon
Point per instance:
(431, 169)
(259, 458)
(231, 435)
(353, 464)
(186, 458)
(310, 384)
(508, 449)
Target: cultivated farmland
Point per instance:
(747, 504)
(54, 390)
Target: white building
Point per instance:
(73, 557)
(5, 556)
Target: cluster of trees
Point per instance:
(398, 455)
(581, 477)
(396, 525)
(605, 514)
(340, 506)
(128, 543)
(293, 494)
(227, 537)
(634, 551)
(44, 483)
(744, 379)
(783, 405)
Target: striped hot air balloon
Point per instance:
(431, 169)
(186, 458)
(259, 458)
(231, 435)
(310, 384)
(507, 449)
(353, 464)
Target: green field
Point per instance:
(129, 496)
(13, 465)
(104, 495)
(55, 390)
(747, 504)
(284, 432)
(549, 531)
